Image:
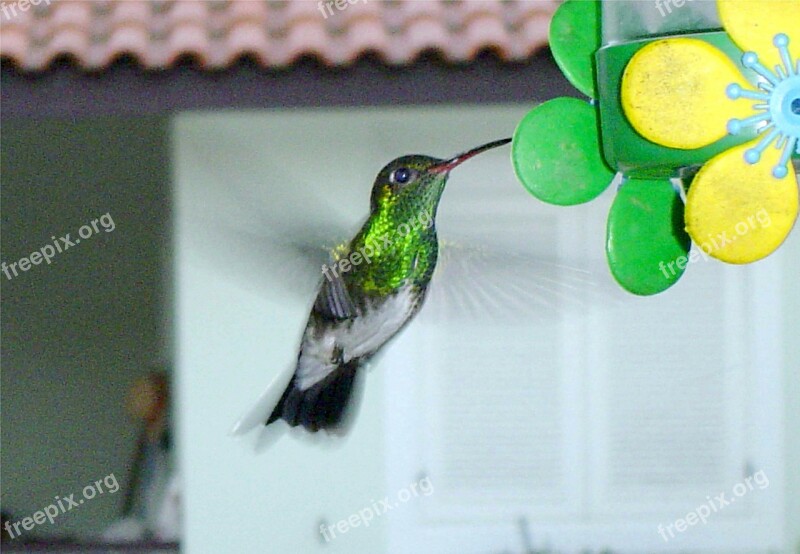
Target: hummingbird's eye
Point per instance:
(401, 175)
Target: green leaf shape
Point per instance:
(646, 243)
(556, 153)
(574, 39)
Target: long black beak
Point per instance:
(447, 165)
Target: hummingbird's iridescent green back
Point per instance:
(398, 241)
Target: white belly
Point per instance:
(352, 338)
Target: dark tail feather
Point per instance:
(321, 406)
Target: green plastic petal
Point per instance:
(556, 153)
(574, 39)
(646, 244)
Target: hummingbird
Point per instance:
(373, 287)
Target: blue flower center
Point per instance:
(784, 106)
(777, 117)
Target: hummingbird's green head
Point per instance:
(410, 185)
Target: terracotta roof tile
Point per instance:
(276, 33)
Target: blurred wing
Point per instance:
(268, 226)
(265, 257)
(499, 284)
(280, 243)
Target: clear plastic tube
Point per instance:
(627, 20)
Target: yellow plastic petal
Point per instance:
(673, 93)
(753, 24)
(740, 213)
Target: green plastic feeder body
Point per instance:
(628, 26)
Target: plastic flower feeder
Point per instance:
(704, 96)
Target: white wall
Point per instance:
(792, 388)
(245, 183)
